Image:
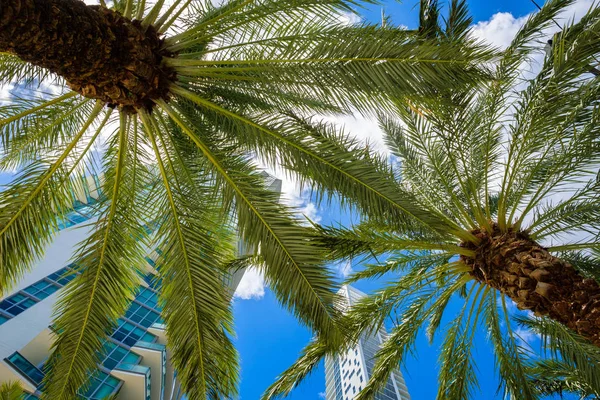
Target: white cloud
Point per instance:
(502, 27)
(344, 268)
(252, 285)
(499, 30)
(364, 128)
(525, 337)
(349, 18)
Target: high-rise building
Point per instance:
(134, 363)
(347, 374)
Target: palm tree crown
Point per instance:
(182, 95)
(492, 197)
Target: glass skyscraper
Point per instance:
(134, 359)
(347, 374)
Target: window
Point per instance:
(361, 378)
(354, 389)
(148, 297)
(23, 365)
(115, 355)
(62, 276)
(101, 385)
(16, 304)
(3, 319)
(129, 334)
(141, 315)
(41, 289)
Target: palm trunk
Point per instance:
(537, 281)
(100, 53)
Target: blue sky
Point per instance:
(268, 337)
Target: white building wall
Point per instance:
(18, 331)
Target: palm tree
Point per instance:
(11, 391)
(492, 197)
(182, 96)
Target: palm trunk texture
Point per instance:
(535, 280)
(100, 53)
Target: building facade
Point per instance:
(134, 363)
(348, 373)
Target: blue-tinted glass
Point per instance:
(137, 332)
(68, 277)
(119, 353)
(17, 297)
(110, 363)
(151, 262)
(75, 218)
(107, 347)
(148, 337)
(54, 276)
(119, 335)
(92, 388)
(41, 289)
(28, 369)
(3, 319)
(149, 320)
(129, 341)
(6, 304)
(136, 318)
(131, 358)
(103, 391)
(112, 381)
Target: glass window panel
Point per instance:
(148, 337)
(138, 332)
(136, 318)
(130, 341)
(68, 277)
(131, 358)
(103, 391)
(17, 297)
(118, 335)
(112, 381)
(119, 353)
(128, 327)
(109, 363)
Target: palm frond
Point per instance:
(109, 261)
(309, 359)
(196, 309)
(401, 340)
(31, 207)
(552, 377)
(292, 265)
(570, 349)
(11, 391)
(510, 357)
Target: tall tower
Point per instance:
(347, 374)
(135, 363)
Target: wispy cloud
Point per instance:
(252, 285)
(344, 268)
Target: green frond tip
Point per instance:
(310, 357)
(11, 390)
